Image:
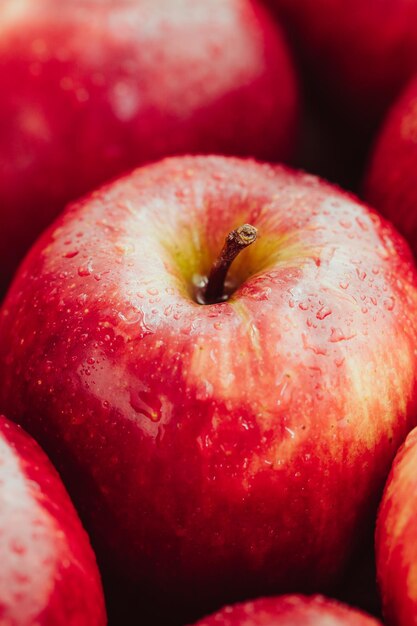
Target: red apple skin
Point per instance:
(396, 535)
(224, 451)
(91, 89)
(48, 574)
(390, 181)
(289, 611)
(361, 52)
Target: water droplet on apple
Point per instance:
(86, 270)
(290, 432)
(361, 274)
(323, 313)
(132, 316)
(260, 294)
(317, 349)
(337, 335)
(284, 390)
(345, 223)
(82, 299)
(70, 254)
(389, 303)
(362, 224)
(139, 405)
(17, 547)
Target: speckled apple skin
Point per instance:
(289, 611)
(361, 52)
(48, 573)
(390, 181)
(222, 451)
(396, 535)
(91, 89)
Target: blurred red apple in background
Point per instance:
(90, 89)
(396, 538)
(390, 184)
(48, 573)
(289, 611)
(361, 52)
(225, 450)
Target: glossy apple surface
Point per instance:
(90, 89)
(289, 611)
(361, 52)
(226, 450)
(390, 182)
(396, 535)
(48, 573)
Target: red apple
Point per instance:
(390, 183)
(48, 574)
(396, 535)
(90, 89)
(361, 52)
(224, 450)
(289, 611)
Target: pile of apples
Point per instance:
(217, 352)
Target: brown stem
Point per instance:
(236, 241)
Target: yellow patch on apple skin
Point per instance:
(379, 405)
(272, 251)
(250, 330)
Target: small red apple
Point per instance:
(362, 52)
(90, 89)
(390, 182)
(290, 611)
(48, 573)
(396, 536)
(230, 449)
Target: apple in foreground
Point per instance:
(290, 611)
(390, 182)
(48, 573)
(396, 535)
(361, 52)
(223, 435)
(91, 89)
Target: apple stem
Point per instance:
(235, 242)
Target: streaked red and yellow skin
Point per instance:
(91, 89)
(217, 451)
(390, 181)
(48, 573)
(361, 52)
(396, 534)
(290, 611)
